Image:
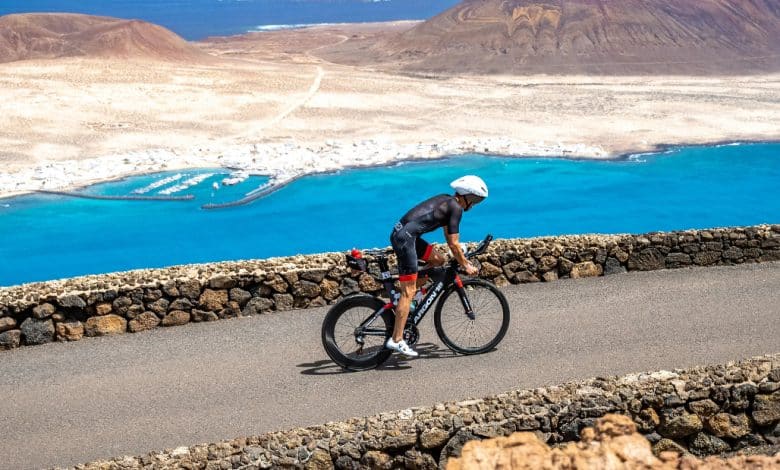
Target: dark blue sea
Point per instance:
(48, 237)
(197, 19)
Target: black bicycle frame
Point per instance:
(442, 278)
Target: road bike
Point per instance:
(471, 315)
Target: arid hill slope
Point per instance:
(50, 35)
(586, 36)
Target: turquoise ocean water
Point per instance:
(48, 237)
(197, 19)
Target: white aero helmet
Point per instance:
(471, 187)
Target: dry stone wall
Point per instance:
(611, 443)
(135, 301)
(703, 411)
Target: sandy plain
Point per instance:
(271, 105)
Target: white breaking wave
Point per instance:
(277, 27)
(186, 184)
(158, 184)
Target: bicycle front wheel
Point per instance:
(479, 332)
(350, 340)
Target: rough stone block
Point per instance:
(766, 409)
(613, 266)
(37, 331)
(586, 269)
(490, 270)
(277, 283)
(313, 275)
(7, 323)
(564, 266)
(677, 423)
(105, 326)
(704, 408)
(182, 303)
(200, 315)
(728, 425)
(733, 254)
(143, 322)
(329, 289)
(306, 289)
(704, 444)
(71, 301)
(213, 300)
(103, 309)
(434, 438)
(175, 318)
(222, 281)
(10, 339)
(70, 331)
(523, 277)
(283, 301)
(706, 258)
(676, 260)
(159, 306)
(257, 305)
(121, 305)
(646, 260)
(43, 311)
(367, 283)
(240, 295)
(190, 288)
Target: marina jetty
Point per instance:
(271, 187)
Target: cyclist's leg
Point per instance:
(426, 252)
(404, 247)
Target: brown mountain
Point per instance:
(49, 35)
(590, 36)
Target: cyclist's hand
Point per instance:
(471, 270)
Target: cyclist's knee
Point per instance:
(436, 258)
(408, 287)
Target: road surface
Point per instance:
(68, 403)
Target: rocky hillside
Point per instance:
(49, 36)
(612, 443)
(590, 36)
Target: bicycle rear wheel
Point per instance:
(483, 332)
(348, 341)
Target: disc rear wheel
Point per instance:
(352, 343)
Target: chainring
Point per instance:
(411, 335)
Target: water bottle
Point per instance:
(395, 295)
(417, 298)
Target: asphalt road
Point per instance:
(69, 403)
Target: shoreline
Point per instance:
(285, 168)
(275, 159)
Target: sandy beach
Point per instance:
(271, 106)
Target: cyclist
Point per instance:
(439, 211)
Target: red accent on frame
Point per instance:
(458, 282)
(389, 306)
(407, 277)
(428, 251)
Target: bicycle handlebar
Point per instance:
(481, 248)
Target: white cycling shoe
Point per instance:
(401, 347)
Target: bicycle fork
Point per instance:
(464, 299)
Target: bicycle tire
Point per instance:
(354, 310)
(485, 299)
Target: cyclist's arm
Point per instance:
(453, 241)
